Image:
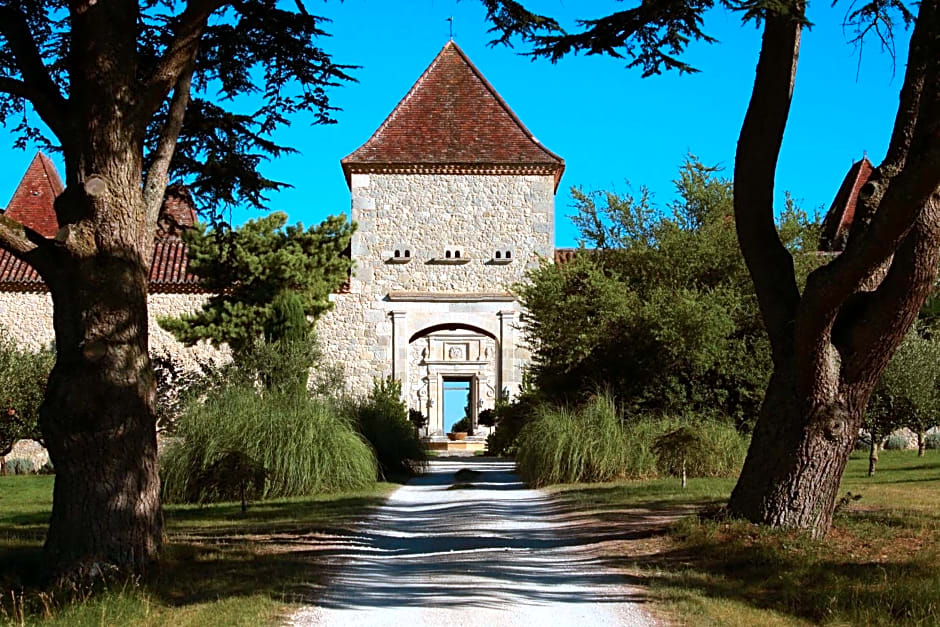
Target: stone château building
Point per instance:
(454, 199)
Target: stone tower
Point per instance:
(454, 199)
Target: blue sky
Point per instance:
(614, 129)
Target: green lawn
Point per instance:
(221, 566)
(880, 565)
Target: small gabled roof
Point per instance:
(838, 220)
(33, 201)
(453, 121)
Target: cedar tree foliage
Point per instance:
(831, 340)
(135, 93)
(249, 267)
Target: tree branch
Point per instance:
(768, 261)
(26, 244)
(51, 106)
(920, 56)
(906, 193)
(157, 178)
(43, 106)
(178, 55)
(889, 313)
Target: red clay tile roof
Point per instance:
(33, 200)
(32, 205)
(452, 120)
(169, 268)
(168, 271)
(17, 275)
(565, 255)
(178, 211)
(838, 220)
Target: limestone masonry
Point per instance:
(454, 200)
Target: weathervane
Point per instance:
(451, 22)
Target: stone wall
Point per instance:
(28, 318)
(432, 213)
(394, 299)
(29, 450)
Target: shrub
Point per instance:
(594, 443)
(461, 426)
(511, 418)
(895, 443)
(932, 440)
(418, 419)
(20, 466)
(304, 446)
(233, 477)
(382, 419)
(176, 387)
(487, 418)
(678, 452)
(707, 448)
(23, 378)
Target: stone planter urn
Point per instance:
(457, 435)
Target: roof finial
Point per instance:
(451, 23)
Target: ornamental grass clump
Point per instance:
(596, 442)
(563, 445)
(302, 446)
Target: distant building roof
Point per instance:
(168, 272)
(33, 205)
(565, 255)
(838, 220)
(453, 121)
(33, 200)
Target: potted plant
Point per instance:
(460, 429)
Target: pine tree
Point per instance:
(267, 278)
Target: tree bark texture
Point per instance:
(98, 416)
(795, 463)
(100, 426)
(831, 343)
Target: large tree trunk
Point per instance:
(921, 442)
(831, 342)
(796, 459)
(98, 415)
(99, 423)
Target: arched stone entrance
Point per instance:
(452, 351)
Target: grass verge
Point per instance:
(878, 566)
(220, 567)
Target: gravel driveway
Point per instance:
(479, 549)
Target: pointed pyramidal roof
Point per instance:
(453, 121)
(33, 201)
(838, 221)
